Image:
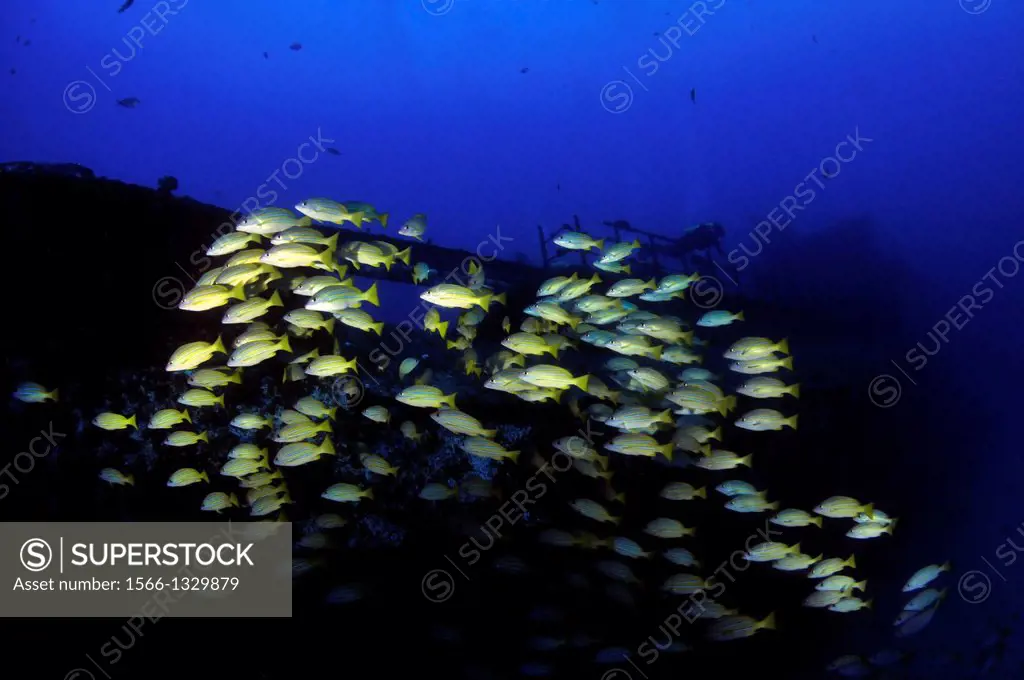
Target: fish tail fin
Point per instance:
(331, 242)
(664, 417)
(378, 327)
(186, 415)
(817, 521)
(768, 623)
(552, 350)
(442, 328)
(484, 301)
(328, 447)
(716, 434)
(787, 363)
(745, 460)
(774, 506)
(132, 422)
(449, 344)
(129, 479)
(501, 298)
(329, 325)
(218, 345)
(233, 500)
(53, 394)
(891, 527)
(702, 492)
(238, 292)
(383, 217)
(403, 255)
(636, 243)
(357, 219)
(656, 353)
(203, 437)
(490, 434)
(285, 344)
(739, 316)
(869, 510)
(852, 562)
(371, 295)
(450, 400)
(615, 520)
(275, 300)
(204, 476)
(219, 400)
(946, 566)
(783, 346)
(794, 390)
(667, 450)
(388, 261)
(582, 382)
(368, 494)
(869, 604)
(791, 421)
(513, 456)
(626, 269)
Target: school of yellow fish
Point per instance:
(660, 402)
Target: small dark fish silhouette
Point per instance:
(17, 39)
(815, 39)
(693, 95)
(266, 56)
(558, 186)
(13, 71)
(331, 150)
(295, 46)
(126, 5)
(524, 69)
(129, 102)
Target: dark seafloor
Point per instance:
(82, 257)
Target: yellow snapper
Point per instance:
(251, 421)
(485, 448)
(737, 627)
(202, 298)
(639, 445)
(425, 396)
(746, 349)
(842, 507)
(331, 364)
(681, 491)
(114, 421)
(378, 414)
(187, 476)
(459, 422)
(925, 575)
(593, 510)
(832, 565)
(437, 492)
(300, 453)
(765, 419)
(326, 210)
(252, 308)
(664, 527)
(209, 378)
(720, 459)
(114, 476)
(795, 518)
(769, 551)
(218, 501)
(191, 355)
(378, 465)
(199, 397)
(232, 242)
(254, 353)
(767, 388)
(34, 393)
(165, 419)
(460, 297)
(186, 438)
(546, 375)
(301, 431)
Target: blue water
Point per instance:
(431, 111)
